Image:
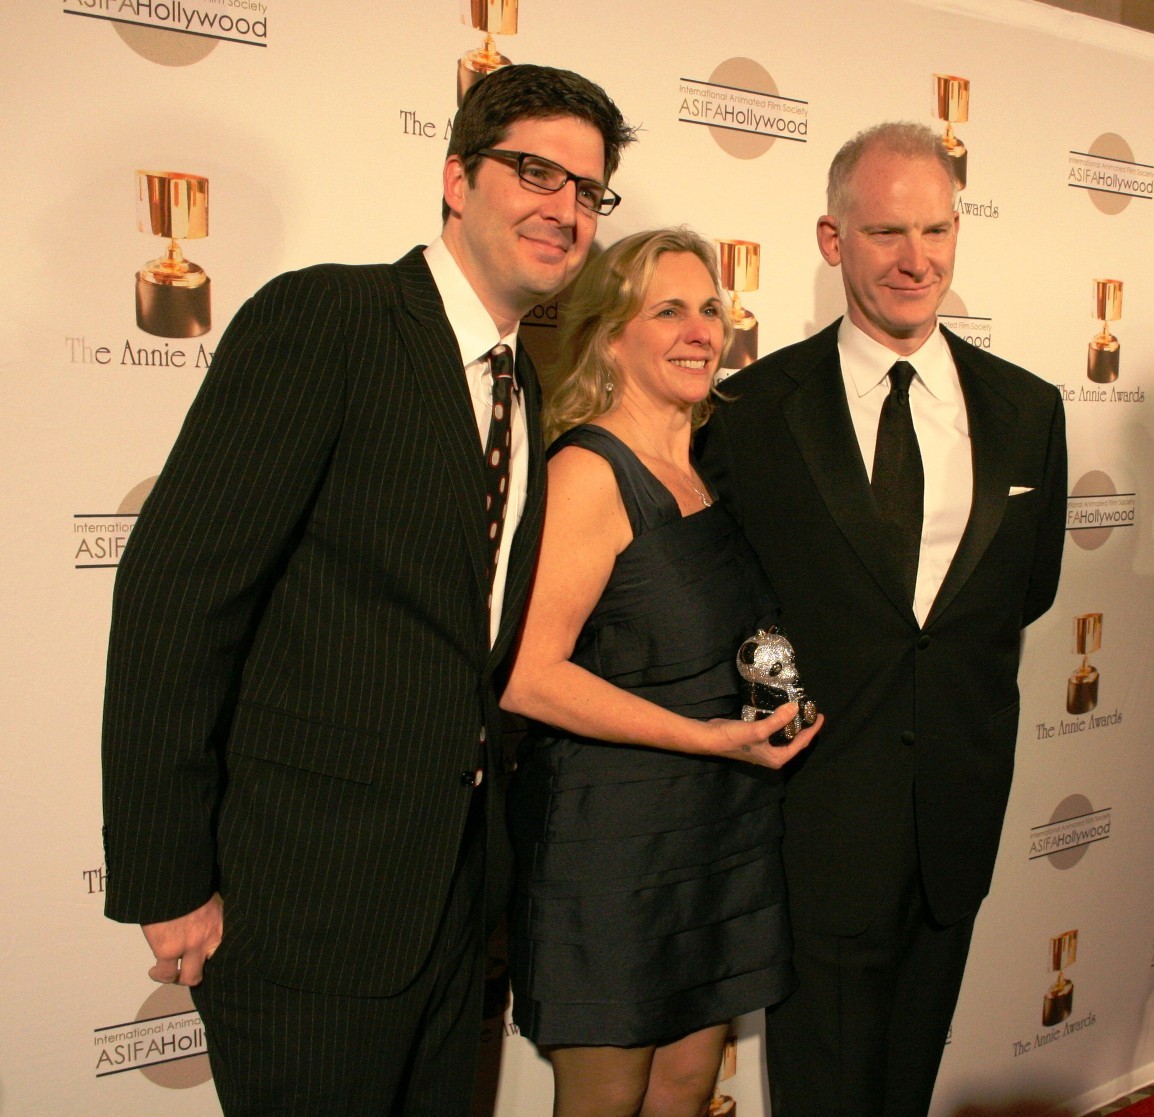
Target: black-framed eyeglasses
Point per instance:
(547, 177)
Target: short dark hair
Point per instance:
(527, 92)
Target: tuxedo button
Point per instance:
(472, 779)
(908, 737)
(923, 643)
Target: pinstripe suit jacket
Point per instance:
(299, 663)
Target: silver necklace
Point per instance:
(705, 498)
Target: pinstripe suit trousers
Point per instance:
(282, 1052)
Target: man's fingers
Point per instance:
(166, 971)
(181, 945)
(187, 970)
(191, 969)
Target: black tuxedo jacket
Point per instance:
(299, 665)
(929, 711)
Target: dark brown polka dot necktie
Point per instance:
(497, 449)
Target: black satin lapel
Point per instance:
(818, 417)
(440, 379)
(991, 420)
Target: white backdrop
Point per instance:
(321, 130)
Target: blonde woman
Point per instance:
(650, 906)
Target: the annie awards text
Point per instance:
(1053, 1035)
(1069, 727)
(413, 125)
(1086, 393)
(80, 351)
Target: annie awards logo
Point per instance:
(1082, 685)
(1058, 1011)
(1103, 353)
(173, 295)
(740, 104)
(739, 266)
(178, 32)
(492, 17)
(99, 538)
(164, 1042)
(1059, 1000)
(952, 106)
(1082, 688)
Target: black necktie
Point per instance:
(497, 450)
(898, 482)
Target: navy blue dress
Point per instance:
(650, 894)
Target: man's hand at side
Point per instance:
(181, 946)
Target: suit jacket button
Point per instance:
(472, 779)
(908, 737)
(923, 643)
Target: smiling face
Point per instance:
(669, 351)
(515, 246)
(895, 245)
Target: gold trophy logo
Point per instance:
(1059, 1001)
(952, 105)
(172, 293)
(722, 1105)
(1102, 356)
(1082, 686)
(494, 17)
(739, 263)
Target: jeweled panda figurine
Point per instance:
(768, 664)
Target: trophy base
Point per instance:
(742, 350)
(170, 311)
(1058, 1005)
(1082, 693)
(473, 67)
(959, 157)
(1102, 364)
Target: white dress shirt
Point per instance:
(476, 334)
(942, 426)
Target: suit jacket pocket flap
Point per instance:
(314, 746)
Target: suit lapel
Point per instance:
(440, 380)
(991, 417)
(818, 417)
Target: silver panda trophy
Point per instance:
(767, 664)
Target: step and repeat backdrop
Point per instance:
(163, 158)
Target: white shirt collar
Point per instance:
(471, 323)
(868, 362)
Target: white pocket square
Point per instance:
(1017, 490)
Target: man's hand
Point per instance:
(182, 945)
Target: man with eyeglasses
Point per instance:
(302, 763)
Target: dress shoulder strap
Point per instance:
(647, 501)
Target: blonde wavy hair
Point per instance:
(608, 294)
